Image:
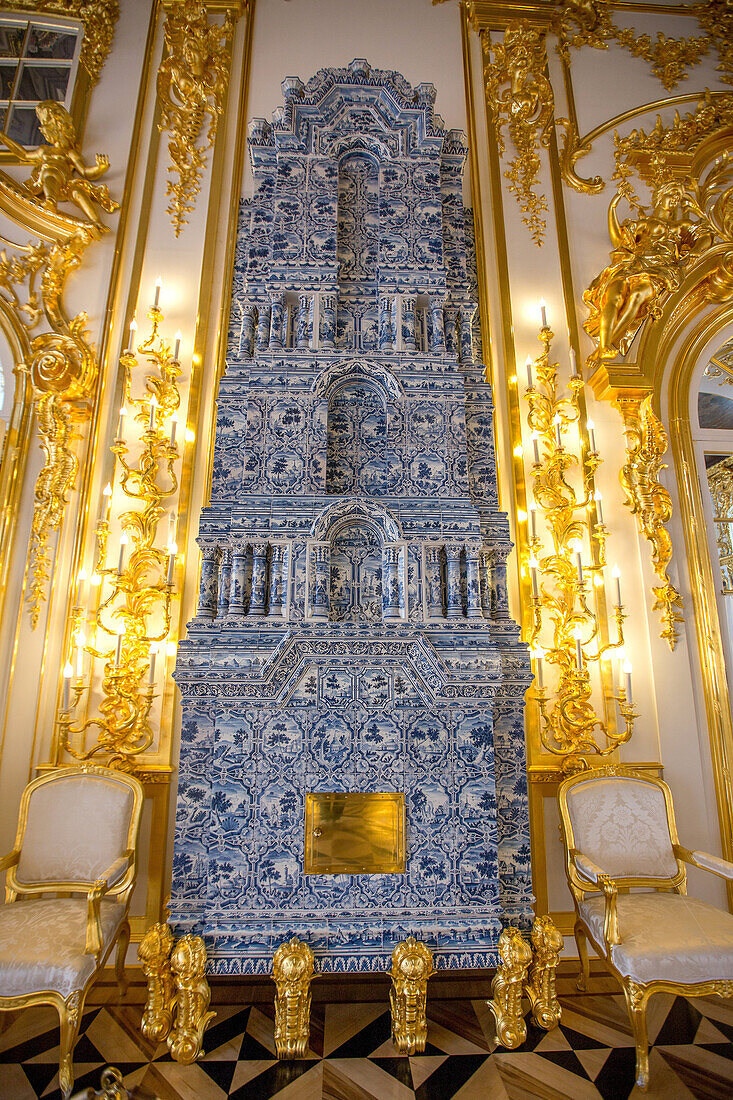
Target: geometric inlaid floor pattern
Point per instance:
(351, 1056)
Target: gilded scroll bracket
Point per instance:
(412, 966)
(292, 972)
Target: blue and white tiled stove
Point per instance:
(353, 631)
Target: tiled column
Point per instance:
(321, 580)
(259, 578)
(438, 341)
(391, 584)
(247, 340)
(277, 580)
(263, 327)
(467, 315)
(328, 321)
(207, 584)
(276, 320)
(236, 587)
(473, 591)
(225, 577)
(499, 594)
(453, 581)
(386, 341)
(408, 323)
(312, 334)
(485, 579)
(435, 588)
(450, 314)
(304, 312)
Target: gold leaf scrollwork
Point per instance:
(192, 82)
(61, 362)
(716, 19)
(525, 108)
(412, 966)
(292, 972)
(649, 501)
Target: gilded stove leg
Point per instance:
(506, 1004)
(292, 972)
(412, 965)
(547, 941)
(154, 953)
(188, 963)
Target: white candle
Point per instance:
(123, 543)
(533, 520)
(536, 447)
(153, 408)
(80, 643)
(627, 675)
(592, 434)
(543, 312)
(616, 574)
(578, 647)
(599, 505)
(533, 577)
(107, 499)
(174, 426)
(578, 549)
(539, 654)
(158, 285)
(558, 436)
(81, 582)
(151, 671)
(171, 526)
(118, 651)
(172, 551)
(573, 364)
(66, 697)
(528, 365)
(179, 337)
(121, 421)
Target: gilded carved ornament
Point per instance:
(519, 98)
(292, 972)
(98, 17)
(720, 484)
(515, 955)
(61, 362)
(412, 966)
(192, 83)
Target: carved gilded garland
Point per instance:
(192, 83)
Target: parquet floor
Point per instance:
(351, 1056)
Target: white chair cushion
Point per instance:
(77, 827)
(666, 937)
(621, 824)
(42, 944)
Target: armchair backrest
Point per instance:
(73, 824)
(622, 821)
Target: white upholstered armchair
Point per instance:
(77, 835)
(626, 872)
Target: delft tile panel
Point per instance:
(352, 630)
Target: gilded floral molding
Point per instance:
(192, 83)
(525, 108)
(61, 361)
(99, 18)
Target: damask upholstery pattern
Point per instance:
(666, 937)
(353, 630)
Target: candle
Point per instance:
(66, 697)
(543, 312)
(528, 365)
(80, 643)
(121, 421)
(578, 647)
(627, 675)
(107, 500)
(573, 364)
(81, 581)
(118, 651)
(616, 574)
(171, 526)
(533, 520)
(158, 286)
(151, 671)
(174, 426)
(536, 447)
(133, 336)
(533, 577)
(538, 654)
(172, 551)
(179, 336)
(558, 436)
(591, 432)
(599, 505)
(578, 549)
(123, 543)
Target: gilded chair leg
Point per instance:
(69, 1020)
(547, 941)
(412, 965)
(123, 942)
(582, 945)
(506, 1003)
(155, 955)
(188, 963)
(636, 1002)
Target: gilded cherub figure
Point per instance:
(59, 171)
(648, 256)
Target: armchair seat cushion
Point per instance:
(666, 937)
(42, 944)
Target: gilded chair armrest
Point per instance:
(610, 919)
(586, 867)
(10, 860)
(705, 861)
(105, 882)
